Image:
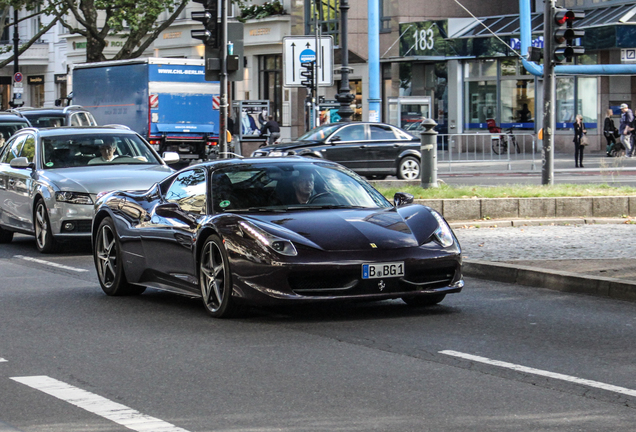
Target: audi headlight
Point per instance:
(278, 244)
(74, 198)
(443, 234)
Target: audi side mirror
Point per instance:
(21, 162)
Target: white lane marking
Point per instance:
(48, 263)
(519, 368)
(95, 404)
(3, 360)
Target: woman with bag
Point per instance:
(580, 141)
(610, 132)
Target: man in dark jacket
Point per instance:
(272, 127)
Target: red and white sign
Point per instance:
(216, 102)
(17, 77)
(154, 101)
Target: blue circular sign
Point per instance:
(17, 77)
(307, 55)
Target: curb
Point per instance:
(536, 222)
(551, 279)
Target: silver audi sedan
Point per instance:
(50, 178)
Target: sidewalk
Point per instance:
(596, 259)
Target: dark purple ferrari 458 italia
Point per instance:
(271, 231)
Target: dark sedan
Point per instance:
(374, 150)
(273, 230)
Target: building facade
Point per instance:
(436, 60)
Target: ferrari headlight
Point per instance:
(443, 234)
(278, 244)
(276, 153)
(74, 198)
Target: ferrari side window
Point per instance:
(189, 191)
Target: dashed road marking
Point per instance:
(95, 404)
(525, 369)
(49, 263)
(3, 360)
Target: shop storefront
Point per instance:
(472, 76)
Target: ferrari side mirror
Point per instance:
(402, 198)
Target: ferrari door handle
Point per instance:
(363, 146)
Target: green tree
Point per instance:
(135, 21)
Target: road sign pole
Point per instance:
(549, 91)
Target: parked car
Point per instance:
(73, 115)
(374, 150)
(10, 123)
(273, 230)
(50, 178)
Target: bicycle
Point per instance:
(500, 145)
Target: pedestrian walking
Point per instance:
(579, 135)
(610, 131)
(626, 130)
(272, 127)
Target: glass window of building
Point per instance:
(565, 112)
(271, 83)
(517, 103)
(328, 17)
(587, 101)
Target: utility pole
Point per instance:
(223, 83)
(16, 48)
(344, 95)
(549, 96)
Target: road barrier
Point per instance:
(486, 148)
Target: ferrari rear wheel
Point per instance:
(109, 263)
(43, 236)
(215, 279)
(422, 301)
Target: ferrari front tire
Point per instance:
(215, 279)
(422, 301)
(109, 262)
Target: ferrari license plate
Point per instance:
(382, 270)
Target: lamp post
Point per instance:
(344, 95)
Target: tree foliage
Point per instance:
(134, 21)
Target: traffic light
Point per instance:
(565, 35)
(308, 73)
(209, 17)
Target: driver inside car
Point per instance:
(107, 149)
(303, 186)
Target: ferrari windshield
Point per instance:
(75, 150)
(291, 186)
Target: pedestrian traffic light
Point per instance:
(308, 73)
(209, 17)
(565, 35)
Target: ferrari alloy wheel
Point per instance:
(422, 301)
(215, 279)
(109, 264)
(43, 236)
(409, 168)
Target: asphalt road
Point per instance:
(73, 359)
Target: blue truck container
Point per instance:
(167, 101)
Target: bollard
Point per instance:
(428, 149)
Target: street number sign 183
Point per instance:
(424, 39)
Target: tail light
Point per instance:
(212, 143)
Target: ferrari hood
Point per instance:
(96, 179)
(342, 230)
